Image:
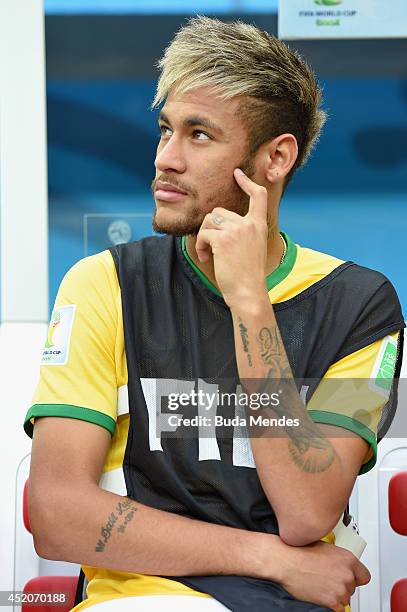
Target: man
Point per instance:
(223, 302)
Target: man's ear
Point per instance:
(280, 156)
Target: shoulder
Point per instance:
(359, 291)
(365, 286)
(344, 275)
(368, 301)
(347, 293)
(101, 265)
(92, 277)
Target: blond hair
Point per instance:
(278, 89)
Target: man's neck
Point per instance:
(275, 249)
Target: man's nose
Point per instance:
(170, 156)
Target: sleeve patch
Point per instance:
(382, 374)
(56, 350)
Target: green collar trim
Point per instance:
(272, 279)
(286, 265)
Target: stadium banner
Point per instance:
(302, 19)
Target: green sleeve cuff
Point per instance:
(66, 410)
(340, 420)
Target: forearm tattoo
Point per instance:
(123, 515)
(310, 451)
(273, 353)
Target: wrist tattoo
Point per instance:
(245, 341)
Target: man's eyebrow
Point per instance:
(193, 122)
(204, 122)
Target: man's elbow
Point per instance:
(44, 549)
(301, 532)
(43, 530)
(42, 538)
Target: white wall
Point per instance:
(23, 242)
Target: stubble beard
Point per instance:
(230, 197)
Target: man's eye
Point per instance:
(163, 129)
(200, 133)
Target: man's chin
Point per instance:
(176, 227)
(177, 232)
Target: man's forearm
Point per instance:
(97, 528)
(296, 464)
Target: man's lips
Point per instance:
(162, 186)
(168, 192)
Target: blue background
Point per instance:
(348, 201)
(56, 7)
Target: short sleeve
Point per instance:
(356, 390)
(82, 362)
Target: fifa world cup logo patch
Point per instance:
(56, 350)
(55, 321)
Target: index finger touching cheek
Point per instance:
(257, 193)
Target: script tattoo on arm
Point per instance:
(123, 509)
(310, 451)
(245, 340)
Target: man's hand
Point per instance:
(238, 244)
(321, 573)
